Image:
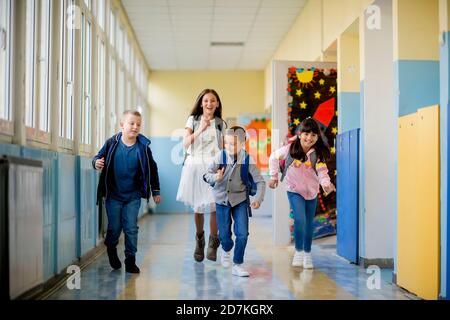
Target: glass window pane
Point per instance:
(29, 69)
(70, 73)
(119, 44)
(101, 13)
(112, 95)
(44, 65)
(4, 59)
(112, 29)
(86, 99)
(101, 94)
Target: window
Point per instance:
(44, 66)
(101, 13)
(128, 100)
(86, 82)
(5, 54)
(88, 3)
(113, 91)
(101, 94)
(112, 28)
(120, 94)
(30, 111)
(119, 43)
(67, 115)
(127, 53)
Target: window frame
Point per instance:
(6, 123)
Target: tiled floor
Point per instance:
(168, 270)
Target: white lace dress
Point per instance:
(193, 191)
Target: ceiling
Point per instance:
(177, 34)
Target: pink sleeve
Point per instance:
(322, 173)
(274, 159)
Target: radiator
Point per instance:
(21, 225)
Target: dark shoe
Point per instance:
(113, 258)
(199, 253)
(130, 265)
(212, 248)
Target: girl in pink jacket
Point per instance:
(302, 183)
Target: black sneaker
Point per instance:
(130, 265)
(114, 258)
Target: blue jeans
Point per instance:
(240, 218)
(304, 212)
(122, 215)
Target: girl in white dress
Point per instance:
(203, 140)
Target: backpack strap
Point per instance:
(313, 158)
(223, 162)
(289, 160)
(245, 169)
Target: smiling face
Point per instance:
(209, 105)
(233, 144)
(131, 126)
(308, 140)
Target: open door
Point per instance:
(347, 196)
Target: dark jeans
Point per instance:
(240, 217)
(122, 215)
(304, 212)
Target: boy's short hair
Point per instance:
(132, 112)
(238, 132)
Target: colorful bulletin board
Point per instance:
(313, 93)
(258, 127)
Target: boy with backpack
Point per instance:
(234, 179)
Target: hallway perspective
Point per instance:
(168, 270)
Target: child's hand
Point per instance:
(219, 175)
(100, 163)
(273, 183)
(255, 205)
(204, 125)
(157, 199)
(329, 188)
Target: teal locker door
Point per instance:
(347, 195)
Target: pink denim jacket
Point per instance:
(300, 176)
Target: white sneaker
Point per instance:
(238, 270)
(225, 258)
(307, 261)
(297, 261)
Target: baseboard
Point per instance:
(381, 263)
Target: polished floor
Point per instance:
(168, 270)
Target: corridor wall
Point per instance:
(418, 203)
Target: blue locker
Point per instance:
(347, 202)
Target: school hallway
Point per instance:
(168, 270)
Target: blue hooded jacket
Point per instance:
(149, 179)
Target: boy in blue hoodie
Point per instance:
(129, 173)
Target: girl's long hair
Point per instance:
(197, 111)
(322, 150)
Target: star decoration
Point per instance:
(296, 122)
(332, 89)
(299, 92)
(333, 150)
(337, 113)
(321, 82)
(317, 95)
(334, 130)
(303, 105)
